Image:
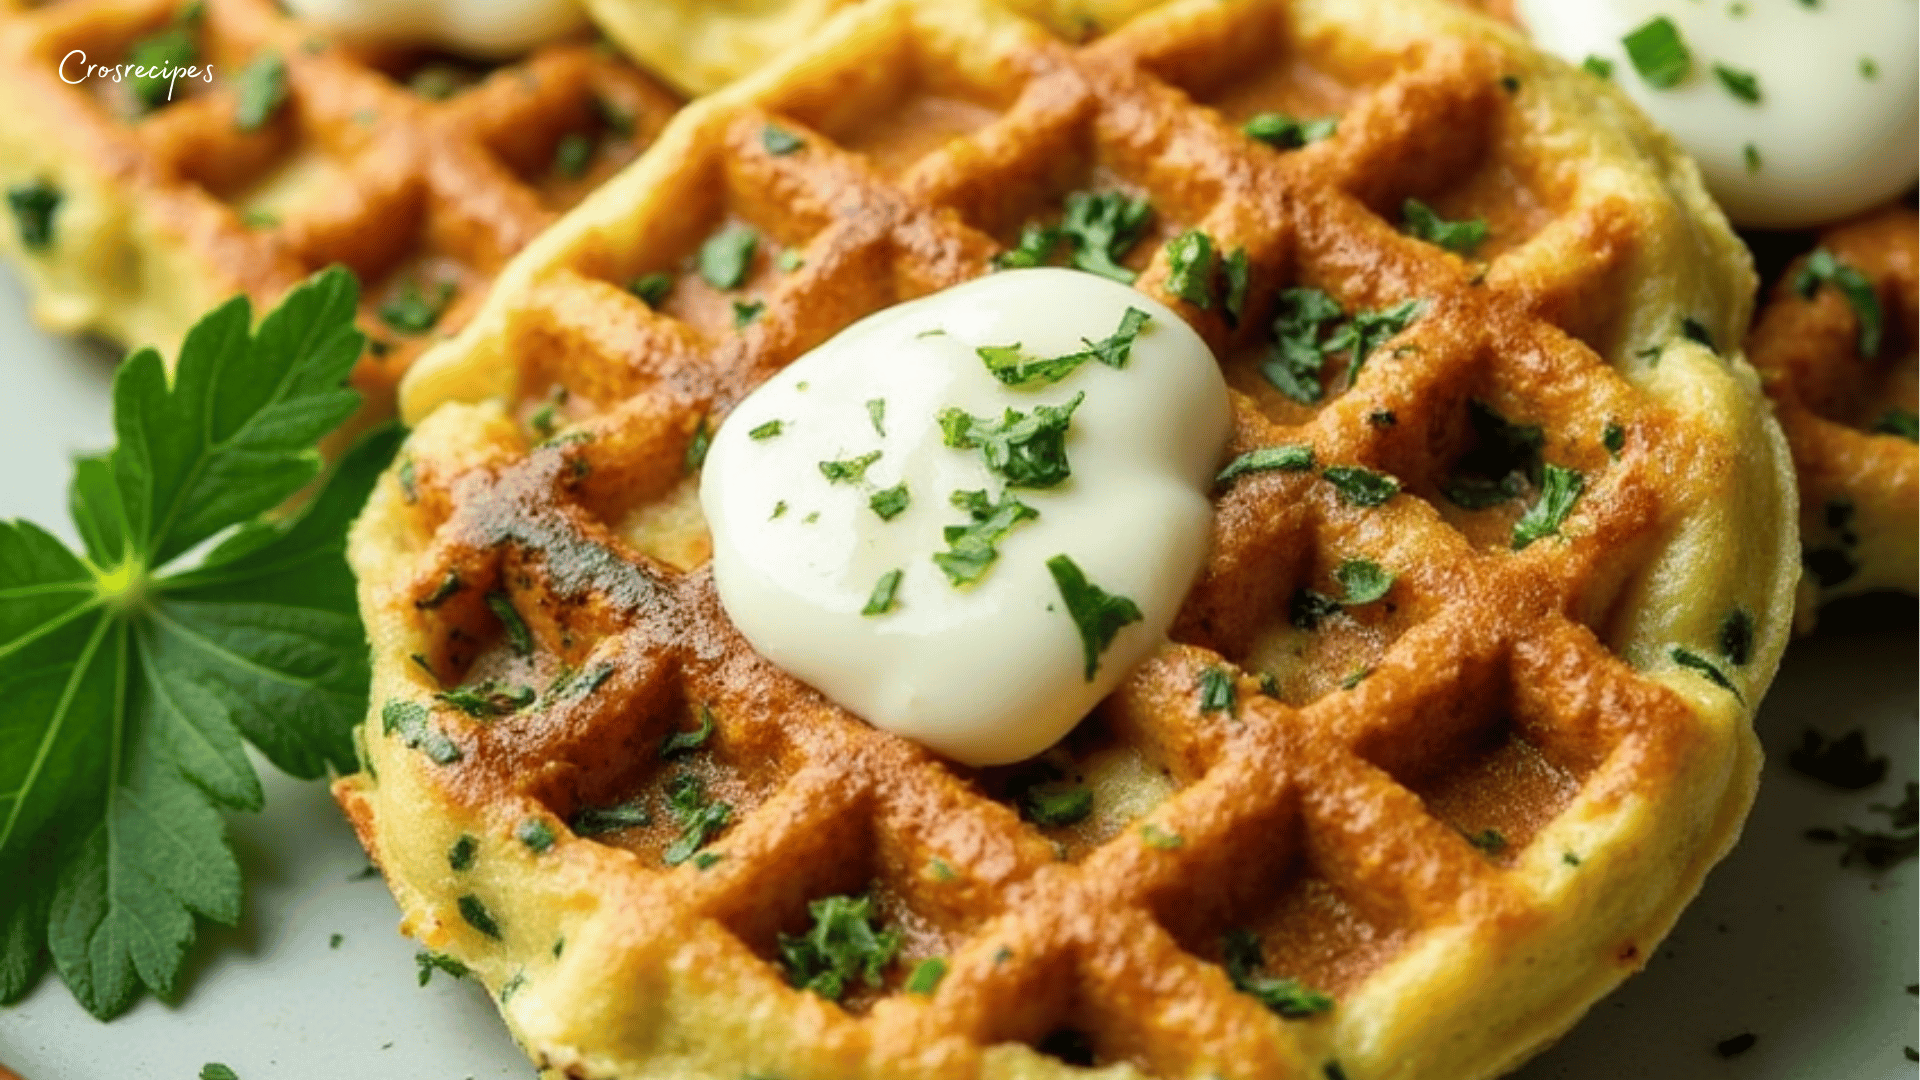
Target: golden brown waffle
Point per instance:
(414, 170)
(1849, 417)
(1464, 812)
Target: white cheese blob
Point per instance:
(1837, 126)
(491, 29)
(991, 672)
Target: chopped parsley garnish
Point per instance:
(410, 721)
(169, 49)
(651, 288)
(1361, 487)
(518, 636)
(1355, 677)
(261, 88)
(1103, 227)
(572, 154)
(1368, 330)
(1054, 804)
(439, 82)
(705, 860)
(1613, 437)
(790, 260)
(489, 699)
(536, 834)
(1751, 154)
(726, 255)
(1217, 692)
(1243, 957)
(477, 916)
(779, 141)
(971, 548)
(682, 743)
(1504, 456)
(877, 415)
(460, 855)
(415, 310)
(745, 311)
(599, 820)
(1418, 220)
(1823, 269)
(1190, 267)
(1491, 841)
(1027, 450)
(698, 818)
(1034, 247)
(1659, 54)
(779, 510)
(1696, 331)
(1736, 637)
(1870, 70)
(885, 591)
(1098, 614)
(1900, 422)
(1156, 837)
(1691, 660)
(1364, 581)
(1843, 762)
(890, 502)
(926, 976)
(1744, 85)
(697, 447)
(1309, 326)
(1598, 65)
(1291, 457)
(1560, 490)
(214, 1070)
(765, 431)
(429, 962)
(851, 470)
(33, 207)
(841, 945)
(448, 587)
(1878, 850)
(1237, 273)
(1306, 609)
(1283, 132)
(1013, 367)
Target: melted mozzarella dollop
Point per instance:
(992, 672)
(1837, 126)
(483, 28)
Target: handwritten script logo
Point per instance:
(172, 73)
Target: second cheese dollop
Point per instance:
(966, 558)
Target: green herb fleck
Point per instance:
(790, 260)
(651, 288)
(460, 855)
(851, 470)
(1307, 609)
(600, 820)
(1241, 954)
(971, 548)
(1823, 269)
(1099, 615)
(745, 311)
(881, 601)
(1659, 54)
(1012, 366)
(1028, 450)
(682, 743)
(1283, 132)
(1736, 637)
(842, 945)
(536, 834)
(572, 154)
(409, 720)
(1364, 581)
(489, 699)
(1355, 677)
(1900, 422)
(1614, 437)
(726, 255)
(1418, 220)
(477, 916)
(171, 48)
(429, 962)
(1687, 658)
(1751, 154)
(261, 88)
(1238, 274)
(334, 941)
(779, 141)
(518, 636)
(889, 502)
(33, 207)
(779, 510)
(926, 976)
(1359, 486)
(1292, 457)
(1869, 68)
(705, 860)
(1560, 490)
(1190, 268)
(1491, 841)
(697, 448)
(449, 585)
(1102, 228)
(1295, 355)
(414, 310)
(699, 819)
(1744, 85)
(1598, 65)
(1217, 692)
(1156, 837)
(766, 431)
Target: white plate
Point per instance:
(1783, 943)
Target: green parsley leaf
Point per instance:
(1687, 658)
(1014, 367)
(1190, 266)
(1751, 154)
(1237, 273)
(1283, 132)
(33, 207)
(698, 818)
(1054, 804)
(1307, 609)
(1598, 65)
(1823, 269)
(1900, 422)
(1368, 330)
(477, 916)
(1560, 490)
(448, 588)
(1295, 357)
(261, 88)
(1034, 248)
(1241, 954)
(705, 860)
(129, 683)
(877, 415)
(889, 502)
(1361, 487)
(745, 311)
(1503, 458)
(1364, 581)
(414, 725)
(1102, 228)
(926, 976)
(460, 856)
(600, 820)
(1156, 837)
(572, 154)
(851, 470)
(726, 256)
(414, 311)
(779, 141)
(1744, 85)
(489, 699)
(1291, 457)
(885, 590)
(1418, 220)
(618, 118)
(1355, 677)
(1658, 53)
(971, 548)
(1491, 841)
(1096, 613)
(1217, 692)
(682, 743)
(651, 288)
(536, 834)
(1696, 331)
(842, 945)
(1027, 450)
(1869, 68)
(766, 431)
(429, 962)
(213, 1070)
(697, 448)
(171, 48)
(790, 260)
(519, 638)
(1613, 437)
(1736, 637)
(439, 82)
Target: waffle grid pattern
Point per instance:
(1337, 823)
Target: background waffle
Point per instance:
(1464, 812)
(1849, 416)
(420, 172)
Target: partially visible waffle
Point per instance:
(1461, 812)
(421, 173)
(1836, 344)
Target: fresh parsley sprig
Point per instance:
(129, 674)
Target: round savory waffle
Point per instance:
(1412, 838)
(420, 172)
(1836, 345)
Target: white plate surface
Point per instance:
(1783, 943)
